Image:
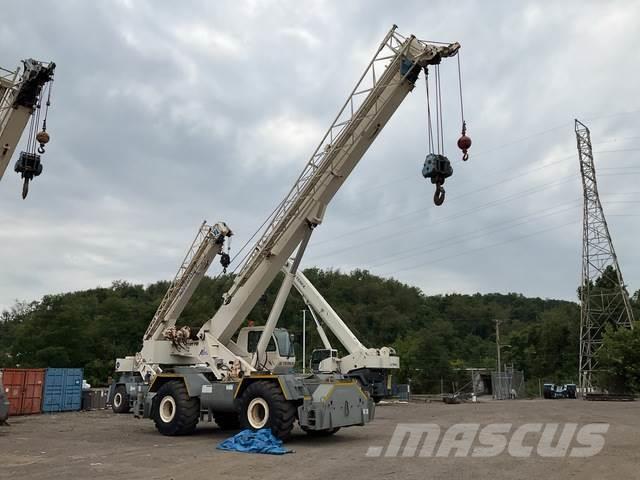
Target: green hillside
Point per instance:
(433, 334)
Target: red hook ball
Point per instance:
(464, 143)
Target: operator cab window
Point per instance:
(254, 338)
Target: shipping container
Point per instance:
(23, 387)
(62, 390)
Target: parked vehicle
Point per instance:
(552, 391)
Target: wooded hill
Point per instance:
(434, 335)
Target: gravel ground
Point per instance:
(100, 444)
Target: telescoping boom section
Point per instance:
(243, 377)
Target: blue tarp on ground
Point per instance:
(248, 441)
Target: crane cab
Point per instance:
(280, 354)
(325, 360)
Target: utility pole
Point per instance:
(304, 340)
(498, 343)
(604, 299)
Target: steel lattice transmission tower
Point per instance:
(603, 295)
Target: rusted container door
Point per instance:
(13, 381)
(24, 389)
(32, 394)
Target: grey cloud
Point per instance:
(168, 113)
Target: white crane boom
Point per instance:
(323, 335)
(330, 318)
(371, 366)
(208, 243)
(12, 121)
(389, 77)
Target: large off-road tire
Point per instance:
(320, 433)
(120, 402)
(262, 405)
(227, 420)
(174, 411)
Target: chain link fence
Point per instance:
(508, 385)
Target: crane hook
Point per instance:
(438, 196)
(225, 261)
(464, 142)
(42, 138)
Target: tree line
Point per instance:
(435, 335)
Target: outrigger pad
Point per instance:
(260, 441)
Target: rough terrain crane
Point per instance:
(134, 373)
(21, 98)
(370, 366)
(209, 370)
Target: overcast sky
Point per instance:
(168, 113)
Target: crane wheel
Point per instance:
(120, 402)
(262, 405)
(174, 411)
(320, 433)
(227, 420)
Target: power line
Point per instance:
(402, 255)
(501, 226)
(440, 259)
(492, 203)
(455, 197)
(476, 235)
(413, 177)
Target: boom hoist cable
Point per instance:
(437, 166)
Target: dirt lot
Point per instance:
(100, 444)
